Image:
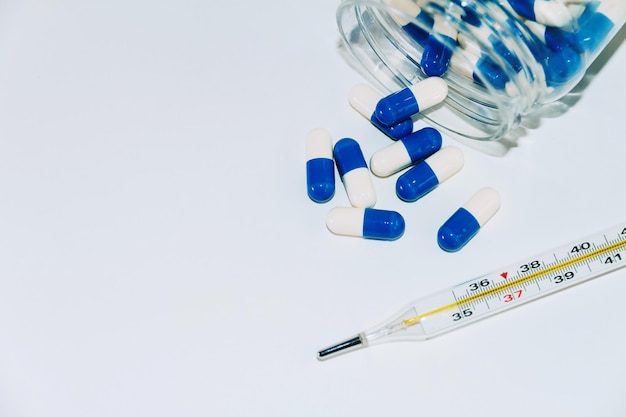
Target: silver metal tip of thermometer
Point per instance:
(342, 347)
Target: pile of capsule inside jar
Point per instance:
(558, 49)
(499, 64)
(560, 35)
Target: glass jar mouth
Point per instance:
(385, 45)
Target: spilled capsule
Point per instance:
(354, 173)
(405, 152)
(368, 223)
(463, 225)
(428, 174)
(320, 168)
(404, 103)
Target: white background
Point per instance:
(159, 255)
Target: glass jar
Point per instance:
(502, 60)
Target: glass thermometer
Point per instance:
(496, 292)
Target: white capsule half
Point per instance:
(360, 188)
(409, 8)
(363, 99)
(390, 160)
(447, 162)
(319, 144)
(442, 26)
(346, 221)
(464, 64)
(576, 10)
(483, 205)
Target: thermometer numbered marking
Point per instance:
(535, 278)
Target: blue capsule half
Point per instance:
(436, 56)
(416, 182)
(320, 175)
(420, 31)
(320, 168)
(402, 104)
(395, 132)
(396, 107)
(491, 73)
(557, 39)
(363, 98)
(382, 224)
(459, 229)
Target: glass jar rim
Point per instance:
(386, 54)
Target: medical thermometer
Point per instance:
(496, 292)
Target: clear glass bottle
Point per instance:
(501, 59)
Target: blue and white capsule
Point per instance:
(320, 168)
(363, 99)
(465, 223)
(428, 174)
(367, 223)
(354, 173)
(487, 69)
(488, 72)
(404, 103)
(547, 12)
(405, 152)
